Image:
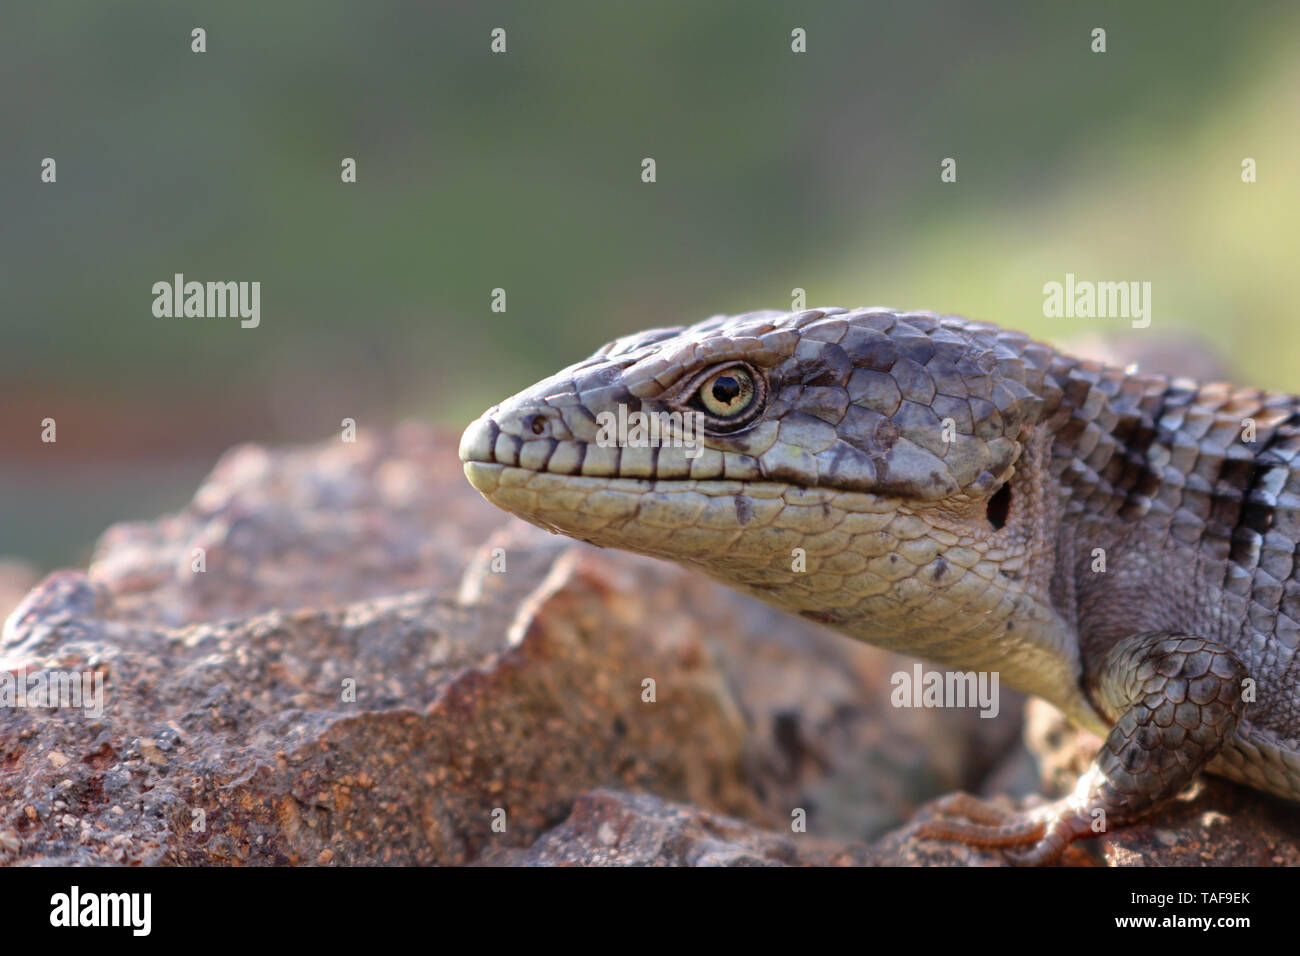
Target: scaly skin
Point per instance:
(954, 488)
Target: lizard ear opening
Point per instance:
(999, 507)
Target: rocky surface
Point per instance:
(340, 655)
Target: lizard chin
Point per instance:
(826, 553)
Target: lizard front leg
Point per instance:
(1176, 701)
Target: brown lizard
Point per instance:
(1123, 545)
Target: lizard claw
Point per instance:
(1045, 832)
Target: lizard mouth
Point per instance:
(665, 511)
(633, 513)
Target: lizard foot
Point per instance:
(1045, 832)
(1175, 701)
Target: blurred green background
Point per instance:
(522, 171)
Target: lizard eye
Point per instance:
(730, 395)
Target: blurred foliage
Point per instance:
(522, 170)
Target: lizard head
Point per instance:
(874, 470)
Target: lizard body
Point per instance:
(1123, 545)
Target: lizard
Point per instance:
(1123, 545)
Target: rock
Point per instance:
(618, 829)
(399, 729)
(341, 655)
